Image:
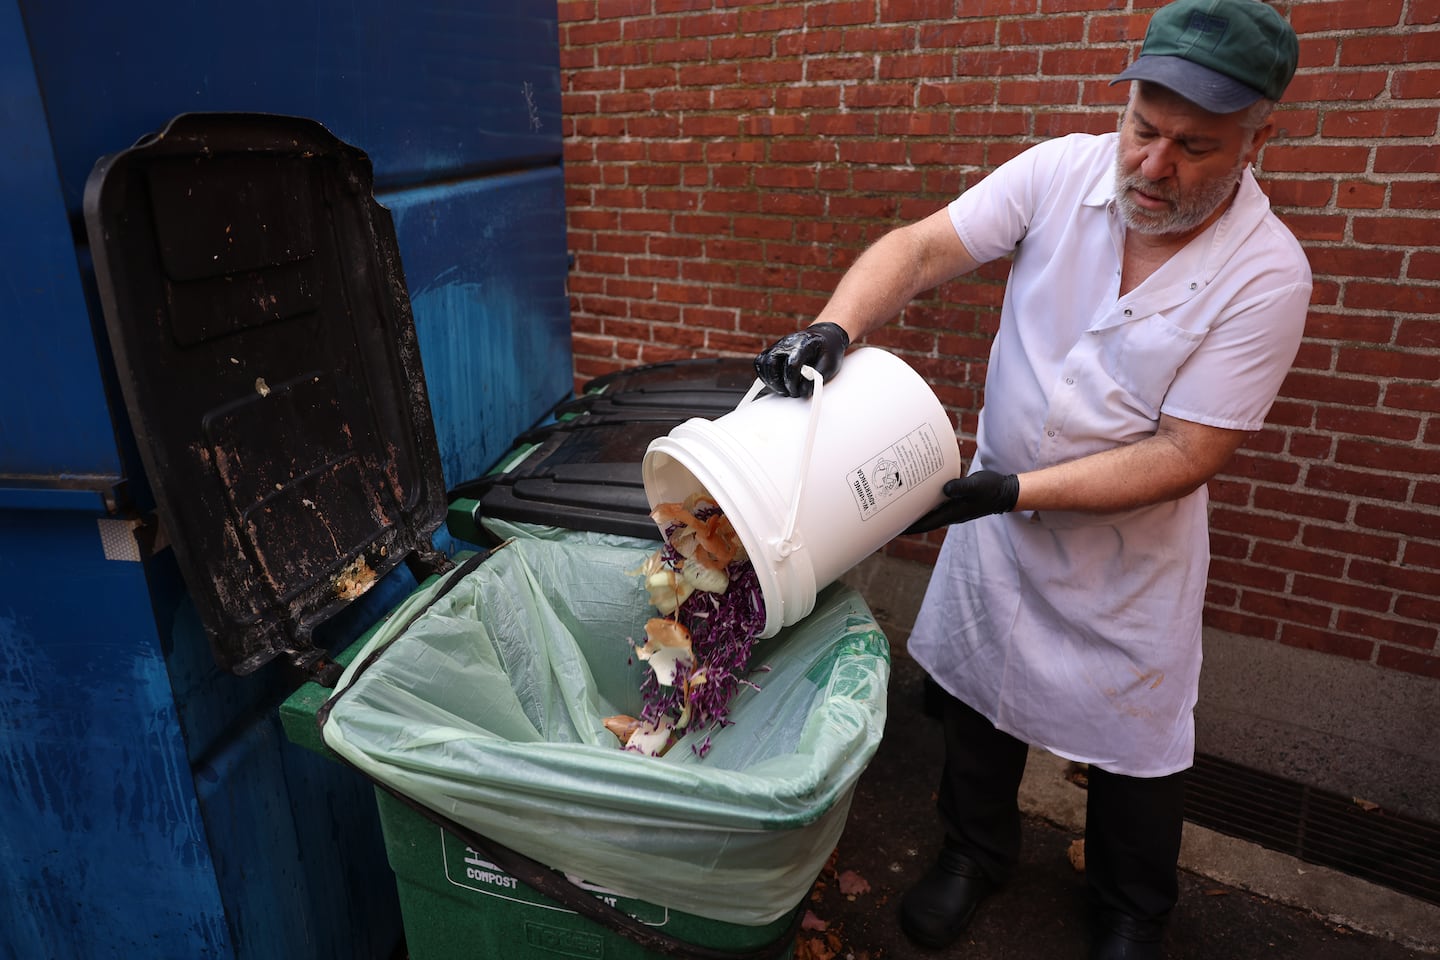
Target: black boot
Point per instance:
(1118, 937)
(941, 905)
(1133, 828)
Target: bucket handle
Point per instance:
(786, 545)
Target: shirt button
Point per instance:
(1070, 381)
(1049, 433)
(1129, 312)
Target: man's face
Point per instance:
(1177, 165)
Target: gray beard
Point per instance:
(1187, 211)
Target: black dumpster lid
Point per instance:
(581, 468)
(723, 377)
(262, 334)
(581, 474)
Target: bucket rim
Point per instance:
(775, 573)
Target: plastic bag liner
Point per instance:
(482, 698)
(502, 529)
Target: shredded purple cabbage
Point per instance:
(723, 628)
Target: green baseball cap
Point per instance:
(1220, 54)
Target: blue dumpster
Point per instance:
(152, 805)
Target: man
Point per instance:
(1153, 308)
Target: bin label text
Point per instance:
(466, 867)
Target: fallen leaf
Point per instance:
(1076, 853)
(813, 948)
(812, 922)
(852, 884)
(1216, 892)
(1366, 805)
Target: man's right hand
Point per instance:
(979, 495)
(821, 345)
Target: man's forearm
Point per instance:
(893, 271)
(1176, 460)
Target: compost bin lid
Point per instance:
(262, 334)
(720, 377)
(582, 474)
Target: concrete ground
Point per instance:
(1239, 901)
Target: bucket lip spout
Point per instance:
(774, 572)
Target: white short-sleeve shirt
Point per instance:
(1077, 632)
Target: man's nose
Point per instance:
(1158, 159)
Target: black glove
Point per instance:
(821, 345)
(982, 493)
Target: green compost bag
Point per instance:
(486, 703)
(502, 529)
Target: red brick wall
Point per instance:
(725, 162)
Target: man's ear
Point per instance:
(1258, 141)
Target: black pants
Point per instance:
(1132, 824)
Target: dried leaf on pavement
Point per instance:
(815, 948)
(1076, 853)
(812, 922)
(852, 884)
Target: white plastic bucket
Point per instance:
(814, 486)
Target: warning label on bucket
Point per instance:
(894, 471)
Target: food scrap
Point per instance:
(356, 578)
(711, 610)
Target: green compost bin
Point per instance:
(476, 707)
(457, 904)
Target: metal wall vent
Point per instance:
(1344, 833)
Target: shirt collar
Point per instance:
(1102, 191)
(1196, 265)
